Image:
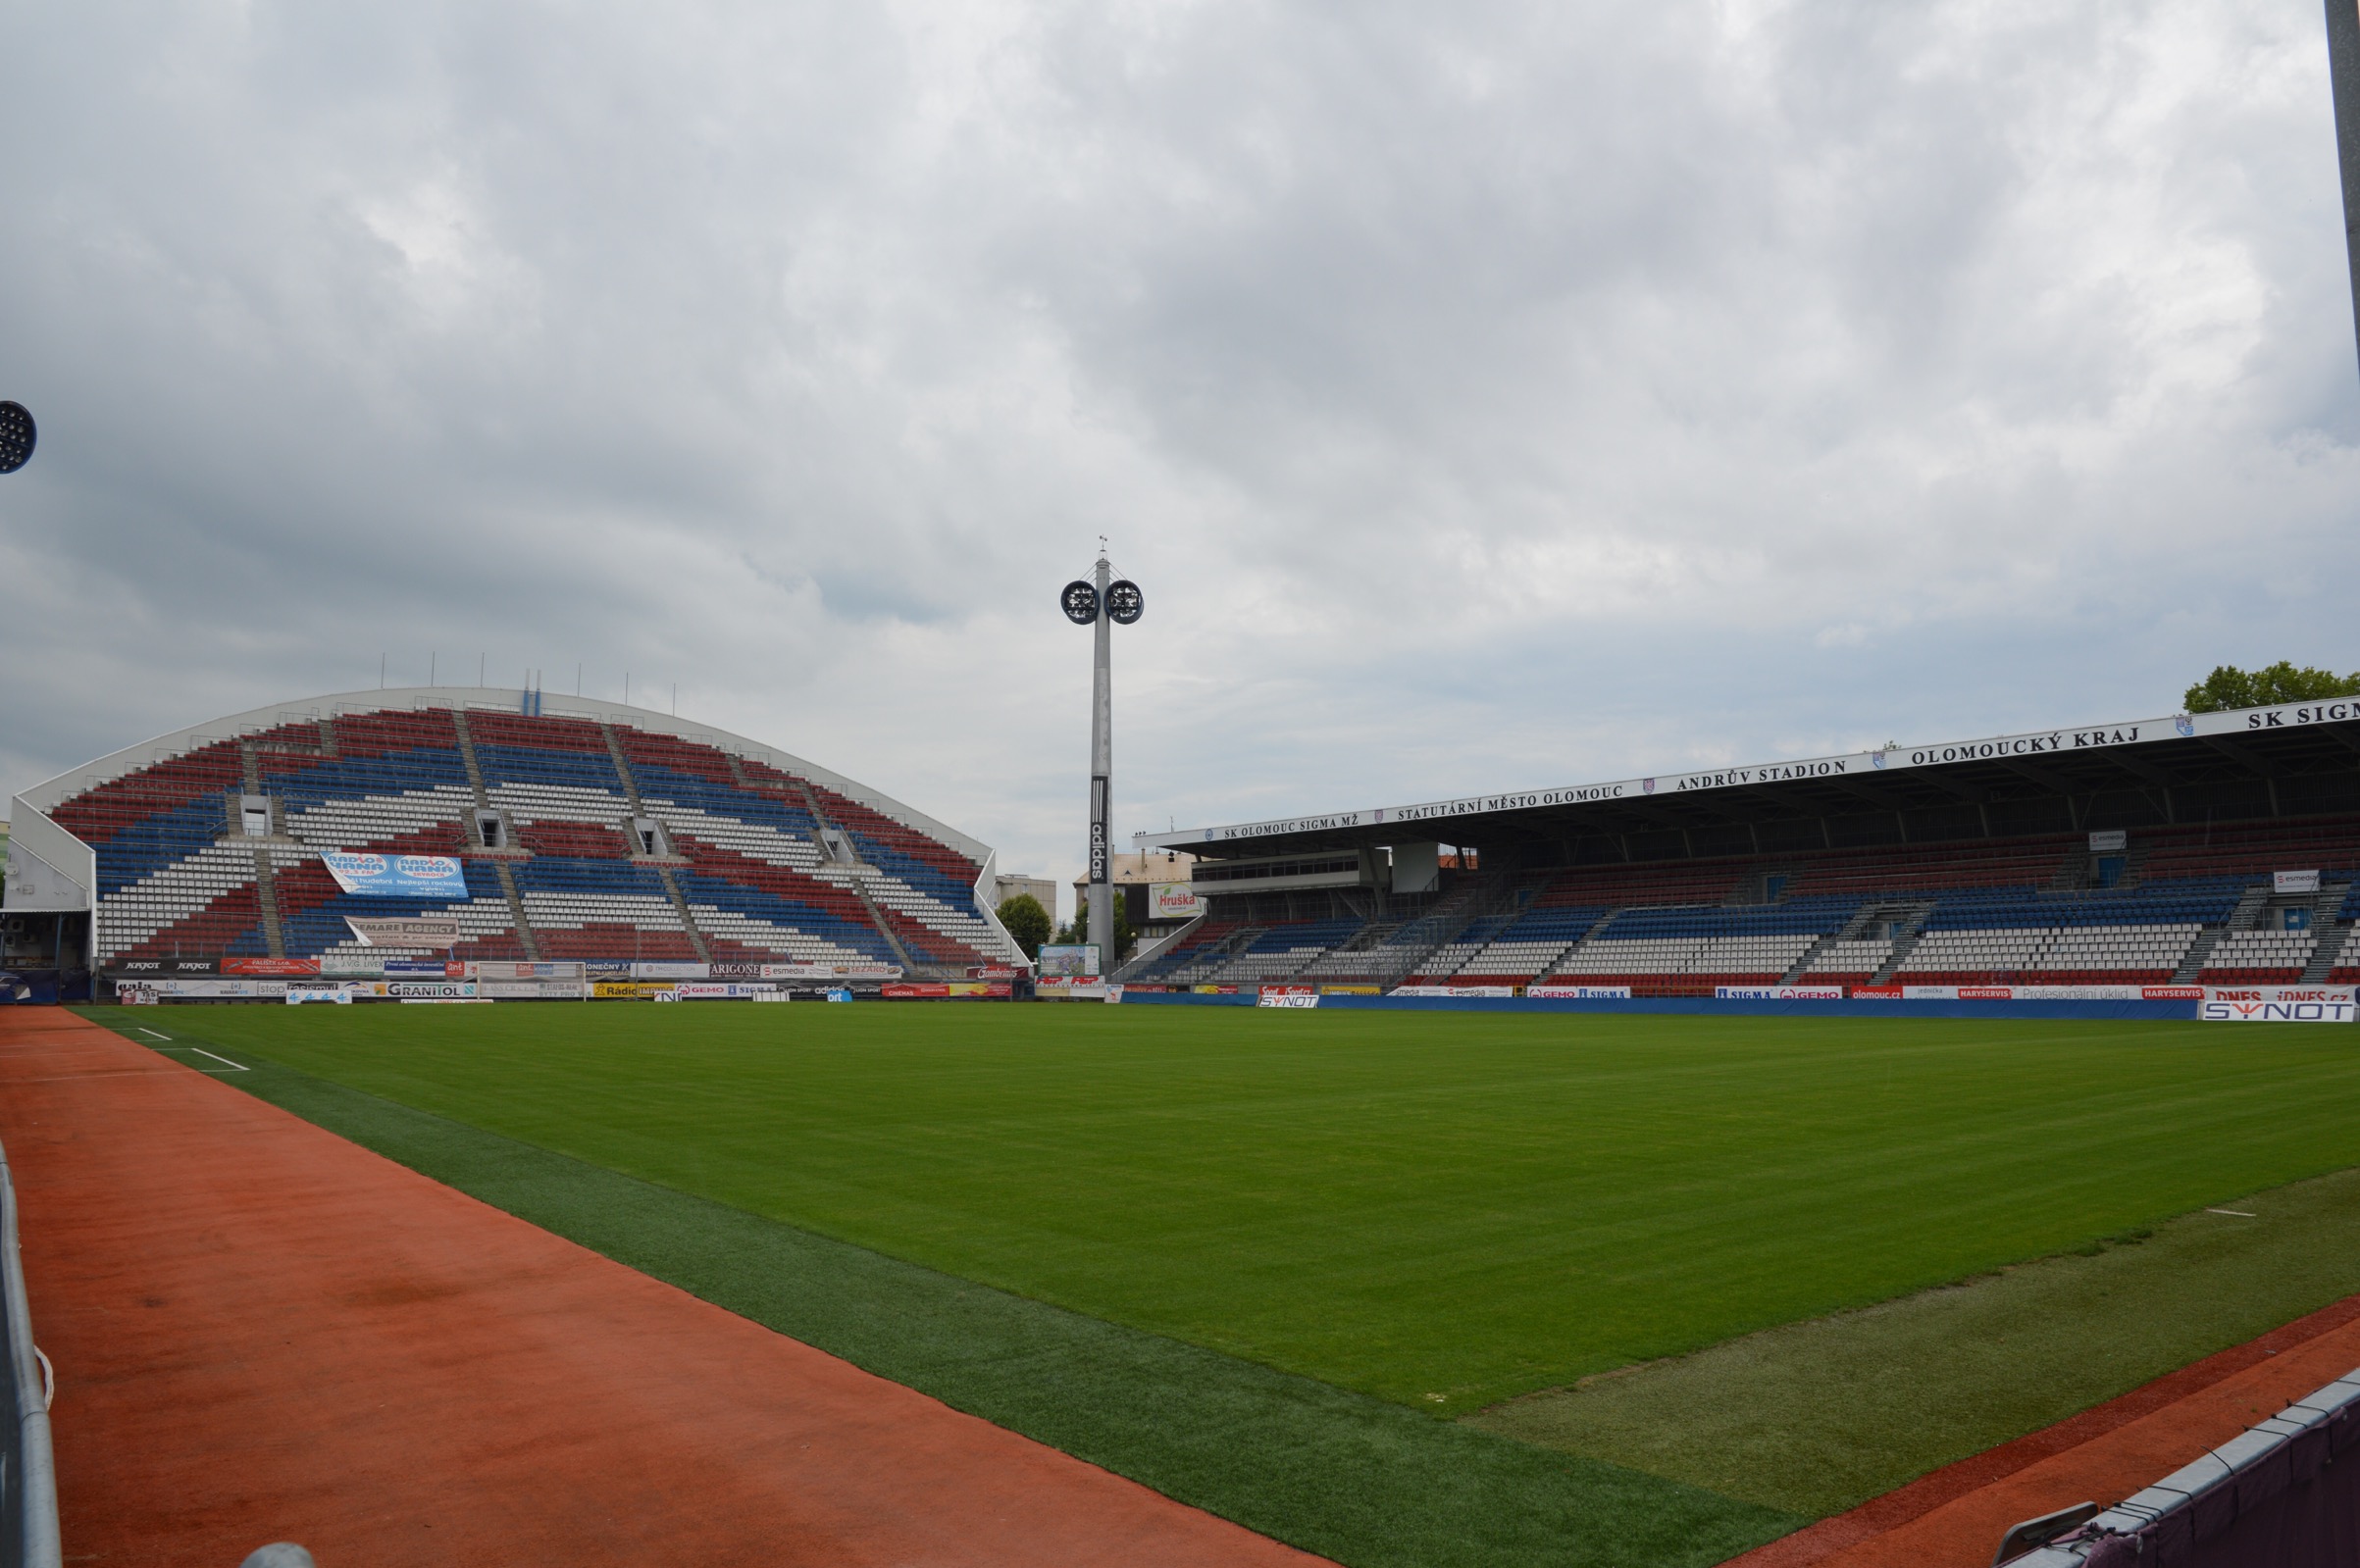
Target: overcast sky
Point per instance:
(1485, 395)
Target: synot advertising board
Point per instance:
(2278, 1004)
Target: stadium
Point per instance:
(1639, 1129)
(1917, 1155)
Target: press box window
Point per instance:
(489, 832)
(649, 835)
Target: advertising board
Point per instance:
(141, 968)
(373, 875)
(274, 968)
(1287, 996)
(415, 991)
(427, 968)
(1780, 994)
(2294, 881)
(1174, 900)
(1069, 962)
(298, 995)
(405, 930)
(722, 990)
(1477, 990)
(2277, 1005)
(831, 971)
(531, 990)
(667, 969)
(544, 969)
(216, 991)
(1588, 993)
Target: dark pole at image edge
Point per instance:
(2343, 76)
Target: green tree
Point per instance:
(1026, 921)
(2229, 687)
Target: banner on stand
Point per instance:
(374, 876)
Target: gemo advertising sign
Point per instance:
(2277, 1005)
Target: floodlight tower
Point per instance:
(2343, 81)
(1100, 603)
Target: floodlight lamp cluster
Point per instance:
(1124, 604)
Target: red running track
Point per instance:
(263, 1332)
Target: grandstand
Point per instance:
(2219, 849)
(584, 830)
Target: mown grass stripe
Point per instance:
(1353, 1478)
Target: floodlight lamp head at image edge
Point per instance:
(18, 434)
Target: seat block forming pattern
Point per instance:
(178, 873)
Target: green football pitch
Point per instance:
(1442, 1211)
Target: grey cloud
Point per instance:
(1498, 395)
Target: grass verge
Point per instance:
(1817, 1417)
(1351, 1477)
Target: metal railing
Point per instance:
(29, 1527)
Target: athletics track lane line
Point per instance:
(263, 1332)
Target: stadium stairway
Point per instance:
(1907, 933)
(661, 863)
(2240, 918)
(1420, 940)
(521, 921)
(1849, 932)
(2333, 932)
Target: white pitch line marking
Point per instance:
(144, 1029)
(2240, 1213)
(234, 1067)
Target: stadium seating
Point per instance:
(741, 872)
(1283, 950)
(2347, 968)
(2244, 957)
